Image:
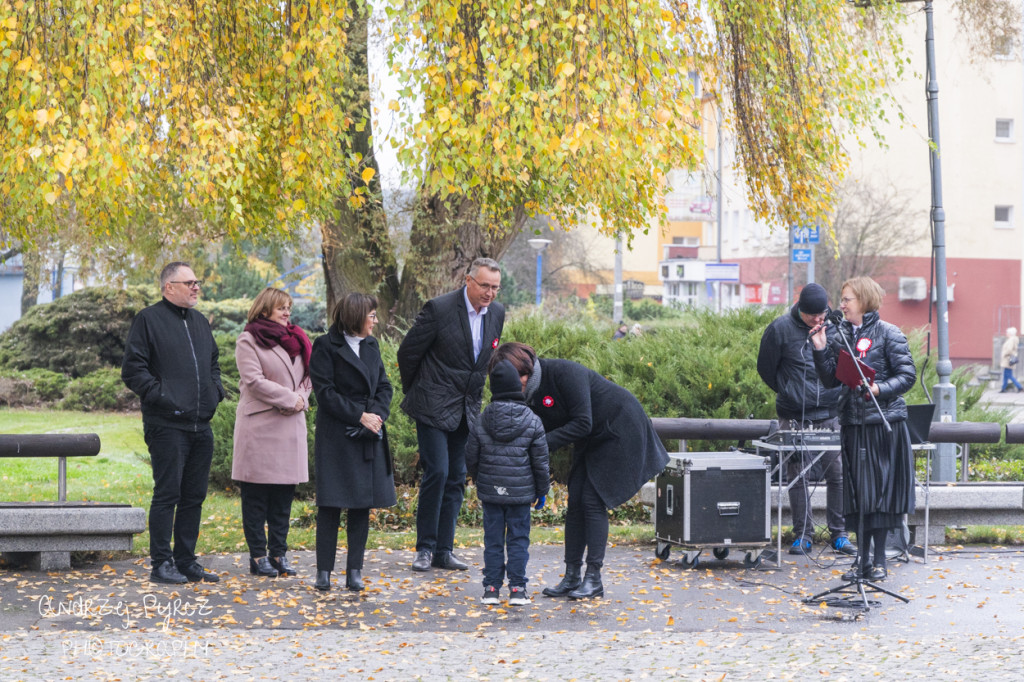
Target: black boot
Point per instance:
(591, 586)
(354, 579)
(570, 581)
(323, 581)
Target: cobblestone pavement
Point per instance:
(658, 620)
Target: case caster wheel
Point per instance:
(721, 553)
(690, 560)
(662, 551)
(752, 560)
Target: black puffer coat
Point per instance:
(888, 354)
(507, 454)
(442, 381)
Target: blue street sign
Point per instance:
(806, 235)
(801, 255)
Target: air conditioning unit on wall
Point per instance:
(913, 289)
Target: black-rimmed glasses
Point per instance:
(191, 284)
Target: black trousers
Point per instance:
(586, 521)
(270, 505)
(181, 473)
(357, 529)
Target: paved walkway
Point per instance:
(659, 620)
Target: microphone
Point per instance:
(835, 317)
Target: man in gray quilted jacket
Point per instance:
(443, 364)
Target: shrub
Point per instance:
(100, 390)
(32, 387)
(227, 316)
(76, 334)
(636, 310)
(311, 316)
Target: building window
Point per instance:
(689, 293)
(686, 241)
(1004, 217)
(1004, 129)
(695, 81)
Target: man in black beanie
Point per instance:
(785, 362)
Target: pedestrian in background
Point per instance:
(1008, 359)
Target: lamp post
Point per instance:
(539, 245)
(944, 392)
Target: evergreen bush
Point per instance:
(76, 334)
(32, 387)
(98, 391)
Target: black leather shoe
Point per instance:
(570, 581)
(168, 574)
(261, 566)
(323, 581)
(878, 573)
(422, 561)
(196, 573)
(449, 561)
(590, 587)
(354, 579)
(282, 565)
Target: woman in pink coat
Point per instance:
(270, 452)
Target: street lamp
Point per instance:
(944, 394)
(539, 245)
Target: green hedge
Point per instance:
(76, 334)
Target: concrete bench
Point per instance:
(43, 534)
(952, 505)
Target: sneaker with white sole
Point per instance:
(490, 595)
(517, 596)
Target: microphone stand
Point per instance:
(856, 590)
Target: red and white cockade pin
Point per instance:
(863, 345)
(548, 401)
(494, 343)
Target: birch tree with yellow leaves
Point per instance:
(141, 125)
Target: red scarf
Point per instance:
(291, 338)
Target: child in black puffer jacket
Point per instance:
(507, 457)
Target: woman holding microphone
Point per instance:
(878, 462)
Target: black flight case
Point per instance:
(714, 500)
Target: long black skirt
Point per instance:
(881, 463)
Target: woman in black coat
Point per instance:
(879, 461)
(616, 451)
(353, 461)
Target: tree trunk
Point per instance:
(32, 266)
(447, 236)
(358, 255)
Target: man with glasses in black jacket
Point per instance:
(171, 363)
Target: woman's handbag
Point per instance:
(1013, 360)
